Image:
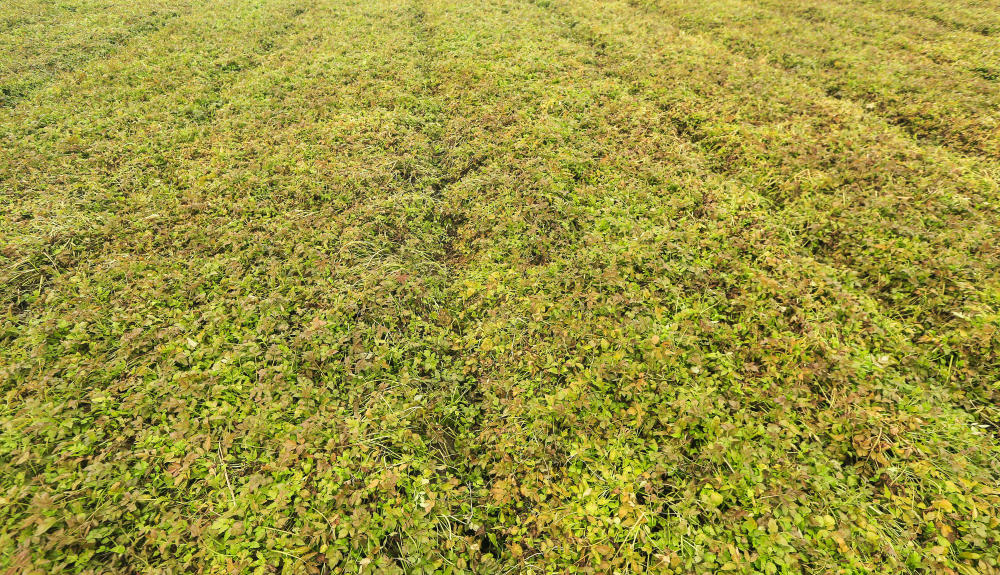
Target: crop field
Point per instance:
(500, 286)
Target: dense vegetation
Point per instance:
(499, 286)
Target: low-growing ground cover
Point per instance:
(497, 287)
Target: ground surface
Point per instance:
(499, 286)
